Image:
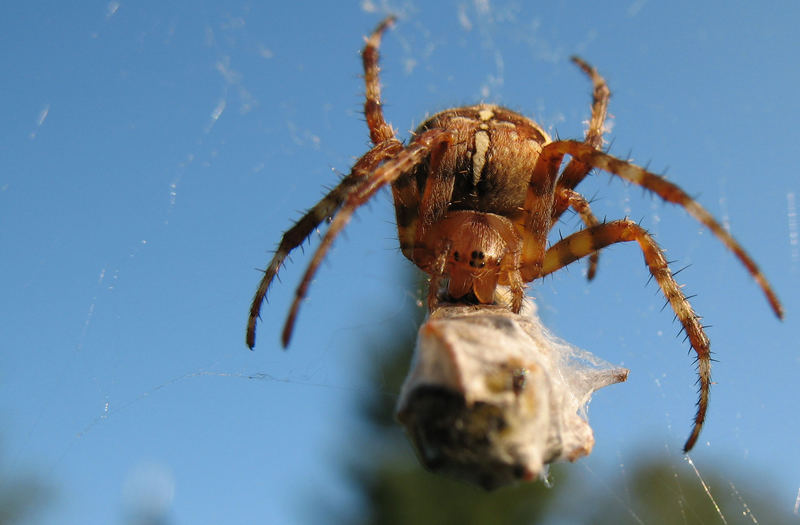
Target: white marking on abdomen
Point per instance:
(479, 157)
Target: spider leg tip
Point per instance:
(386, 23)
(286, 336)
(778, 309)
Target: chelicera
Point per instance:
(477, 190)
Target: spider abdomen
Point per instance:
(486, 168)
(492, 157)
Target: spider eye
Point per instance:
(456, 256)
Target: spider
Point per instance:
(476, 191)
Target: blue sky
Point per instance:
(151, 156)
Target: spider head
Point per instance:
(477, 248)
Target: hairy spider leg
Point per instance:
(386, 146)
(535, 221)
(576, 170)
(578, 202)
(585, 242)
(411, 156)
(667, 191)
(416, 213)
(379, 130)
(436, 270)
(439, 185)
(309, 222)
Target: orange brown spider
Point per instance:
(476, 192)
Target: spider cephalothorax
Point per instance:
(476, 251)
(476, 192)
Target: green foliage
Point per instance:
(402, 493)
(20, 498)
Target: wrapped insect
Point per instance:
(492, 397)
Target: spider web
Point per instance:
(152, 157)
